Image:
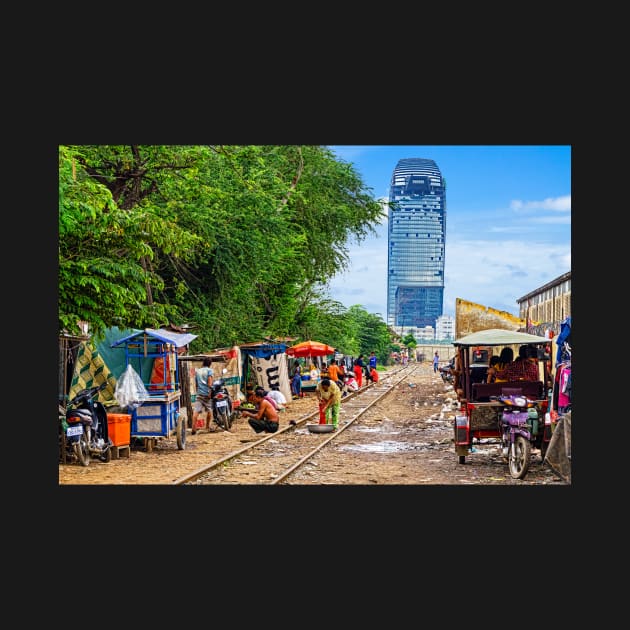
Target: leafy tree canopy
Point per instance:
(410, 341)
(239, 241)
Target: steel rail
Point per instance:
(206, 468)
(336, 434)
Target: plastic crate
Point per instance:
(119, 428)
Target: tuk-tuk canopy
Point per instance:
(498, 337)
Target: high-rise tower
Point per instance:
(416, 241)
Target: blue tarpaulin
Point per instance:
(565, 335)
(264, 350)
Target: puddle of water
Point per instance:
(367, 429)
(384, 428)
(387, 446)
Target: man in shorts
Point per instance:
(203, 402)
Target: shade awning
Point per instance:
(165, 336)
(498, 337)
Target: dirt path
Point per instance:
(404, 439)
(166, 463)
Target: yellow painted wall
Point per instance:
(471, 317)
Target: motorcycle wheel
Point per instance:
(519, 462)
(223, 418)
(82, 450)
(107, 455)
(180, 433)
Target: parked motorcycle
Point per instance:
(446, 371)
(222, 407)
(519, 424)
(85, 428)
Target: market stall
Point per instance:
(265, 364)
(307, 350)
(226, 364)
(152, 353)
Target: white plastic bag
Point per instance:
(130, 391)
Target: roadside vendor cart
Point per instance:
(153, 355)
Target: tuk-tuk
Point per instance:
(480, 405)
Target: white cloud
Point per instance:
(557, 204)
(364, 282)
(492, 273)
(496, 273)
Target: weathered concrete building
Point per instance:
(540, 310)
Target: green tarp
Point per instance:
(115, 357)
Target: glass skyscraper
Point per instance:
(416, 241)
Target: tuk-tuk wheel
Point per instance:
(461, 459)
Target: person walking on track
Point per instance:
(358, 368)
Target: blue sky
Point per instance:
(508, 222)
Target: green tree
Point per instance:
(371, 333)
(102, 278)
(410, 341)
(239, 240)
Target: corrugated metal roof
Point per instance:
(549, 285)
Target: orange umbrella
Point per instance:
(310, 349)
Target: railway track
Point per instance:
(272, 459)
